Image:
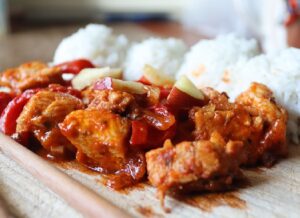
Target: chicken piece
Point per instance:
(41, 116)
(254, 118)
(204, 165)
(230, 120)
(101, 138)
(100, 135)
(88, 94)
(115, 101)
(30, 75)
(269, 143)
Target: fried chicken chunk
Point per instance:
(41, 116)
(99, 134)
(269, 143)
(254, 118)
(30, 75)
(115, 101)
(102, 136)
(204, 165)
(230, 120)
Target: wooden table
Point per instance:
(270, 192)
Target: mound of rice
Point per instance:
(165, 55)
(96, 43)
(208, 61)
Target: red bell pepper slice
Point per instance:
(74, 67)
(144, 136)
(144, 81)
(164, 93)
(158, 137)
(12, 111)
(5, 98)
(139, 135)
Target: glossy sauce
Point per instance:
(124, 185)
(207, 202)
(136, 187)
(147, 211)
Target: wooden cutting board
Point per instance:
(271, 192)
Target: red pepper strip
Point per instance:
(69, 90)
(139, 135)
(74, 67)
(292, 18)
(158, 137)
(12, 111)
(146, 137)
(164, 93)
(5, 98)
(144, 81)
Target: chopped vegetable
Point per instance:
(184, 94)
(88, 76)
(185, 85)
(74, 67)
(120, 85)
(5, 98)
(145, 136)
(13, 110)
(139, 135)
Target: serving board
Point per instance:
(273, 192)
(270, 192)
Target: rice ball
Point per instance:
(96, 43)
(209, 61)
(166, 55)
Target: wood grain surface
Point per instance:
(77, 195)
(271, 192)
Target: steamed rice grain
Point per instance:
(96, 43)
(208, 62)
(166, 55)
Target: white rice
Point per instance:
(96, 43)
(208, 60)
(165, 55)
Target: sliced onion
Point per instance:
(88, 76)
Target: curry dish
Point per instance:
(178, 137)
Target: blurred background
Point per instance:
(28, 27)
